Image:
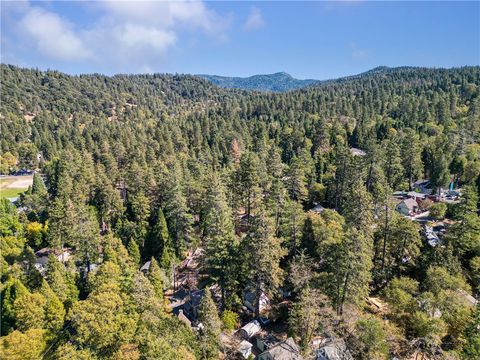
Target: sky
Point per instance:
(316, 39)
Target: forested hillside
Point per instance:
(287, 195)
(272, 82)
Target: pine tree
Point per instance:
(29, 311)
(264, 270)
(209, 338)
(61, 223)
(411, 156)
(159, 242)
(464, 235)
(30, 345)
(351, 263)
(12, 290)
(87, 236)
(291, 225)
(61, 282)
(309, 315)
(54, 310)
(246, 183)
(134, 251)
(297, 182)
(276, 194)
(300, 271)
(156, 278)
(177, 212)
(38, 187)
(393, 162)
(106, 198)
(140, 207)
(219, 237)
(343, 176)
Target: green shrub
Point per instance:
(229, 319)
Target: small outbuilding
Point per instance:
(249, 300)
(357, 152)
(245, 349)
(250, 329)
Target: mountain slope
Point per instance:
(277, 82)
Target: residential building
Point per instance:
(407, 207)
(285, 350)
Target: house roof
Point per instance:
(357, 152)
(285, 350)
(334, 350)
(422, 182)
(146, 266)
(317, 209)
(410, 203)
(196, 297)
(415, 194)
(245, 347)
(47, 251)
(252, 328)
(183, 318)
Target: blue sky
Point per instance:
(317, 40)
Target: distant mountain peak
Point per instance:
(283, 73)
(276, 82)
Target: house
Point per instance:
(192, 304)
(249, 330)
(122, 189)
(285, 350)
(357, 152)
(333, 349)
(265, 341)
(62, 255)
(407, 207)
(432, 237)
(400, 194)
(243, 222)
(249, 299)
(245, 349)
(423, 186)
(181, 316)
(317, 209)
(452, 195)
(146, 267)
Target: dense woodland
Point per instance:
(146, 167)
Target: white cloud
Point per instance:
(255, 20)
(132, 35)
(166, 15)
(53, 36)
(124, 35)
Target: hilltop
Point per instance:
(277, 82)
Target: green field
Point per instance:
(12, 186)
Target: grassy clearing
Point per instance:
(12, 186)
(11, 192)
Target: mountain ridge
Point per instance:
(276, 82)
